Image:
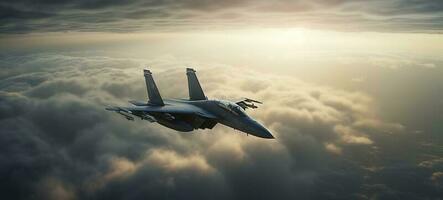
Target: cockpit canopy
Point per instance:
(232, 107)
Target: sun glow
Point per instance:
(246, 44)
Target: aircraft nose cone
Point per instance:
(260, 131)
(265, 133)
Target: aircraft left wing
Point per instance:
(145, 111)
(122, 111)
(248, 103)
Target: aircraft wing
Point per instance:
(122, 111)
(167, 109)
(247, 103)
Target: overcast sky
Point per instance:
(26, 16)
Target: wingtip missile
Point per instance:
(252, 100)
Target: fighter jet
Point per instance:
(197, 112)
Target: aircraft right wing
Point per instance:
(248, 103)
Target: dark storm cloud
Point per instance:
(404, 7)
(25, 16)
(57, 141)
(7, 13)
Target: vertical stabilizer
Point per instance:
(154, 97)
(195, 90)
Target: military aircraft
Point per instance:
(197, 112)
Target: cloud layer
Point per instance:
(26, 16)
(57, 141)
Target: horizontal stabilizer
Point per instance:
(138, 103)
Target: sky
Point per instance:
(351, 92)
